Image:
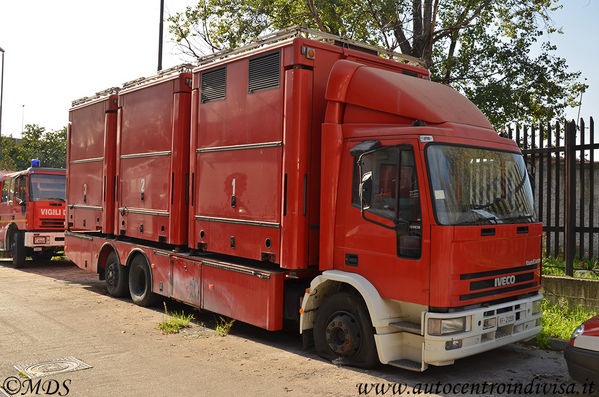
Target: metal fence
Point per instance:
(562, 164)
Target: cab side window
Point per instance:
(390, 200)
(394, 193)
(11, 189)
(21, 188)
(5, 191)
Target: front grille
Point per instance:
(490, 283)
(52, 223)
(490, 273)
(502, 281)
(497, 291)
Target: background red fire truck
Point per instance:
(315, 181)
(32, 213)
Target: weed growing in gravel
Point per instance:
(223, 326)
(559, 321)
(174, 322)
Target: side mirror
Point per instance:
(366, 190)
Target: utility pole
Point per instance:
(160, 35)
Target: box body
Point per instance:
(152, 160)
(91, 172)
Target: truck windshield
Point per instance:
(47, 187)
(473, 186)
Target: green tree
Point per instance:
(50, 147)
(483, 48)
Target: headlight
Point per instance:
(577, 332)
(438, 326)
(536, 307)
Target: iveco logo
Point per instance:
(507, 280)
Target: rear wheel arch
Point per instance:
(106, 250)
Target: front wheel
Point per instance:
(18, 249)
(140, 282)
(115, 276)
(342, 329)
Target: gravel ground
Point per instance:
(52, 311)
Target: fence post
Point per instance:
(570, 210)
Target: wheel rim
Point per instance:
(112, 274)
(342, 334)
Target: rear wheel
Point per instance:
(140, 282)
(342, 330)
(18, 249)
(115, 276)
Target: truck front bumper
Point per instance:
(485, 329)
(39, 240)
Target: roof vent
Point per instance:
(214, 84)
(264, 72)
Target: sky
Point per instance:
(61, 50)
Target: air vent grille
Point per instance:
(264, 72)
(214, 83)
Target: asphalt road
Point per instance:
(53, 311)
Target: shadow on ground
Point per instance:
(508, 364)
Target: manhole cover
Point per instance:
(52, 367)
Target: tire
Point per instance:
(115, 276)
(18, 250)
(140, 282)
(343, 331)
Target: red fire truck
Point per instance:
(32, 213)
(310, 180)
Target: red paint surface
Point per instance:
(152, 160)
(591, 327)
(91, 158)
(43, 215)
(290, 183)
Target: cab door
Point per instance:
(382, 228)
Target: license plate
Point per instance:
(40, 240)
(507, 319)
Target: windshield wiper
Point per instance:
(520, 219)
(485, 218)
(52, 199)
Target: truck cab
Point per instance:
(32, 213)
(431, 221)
